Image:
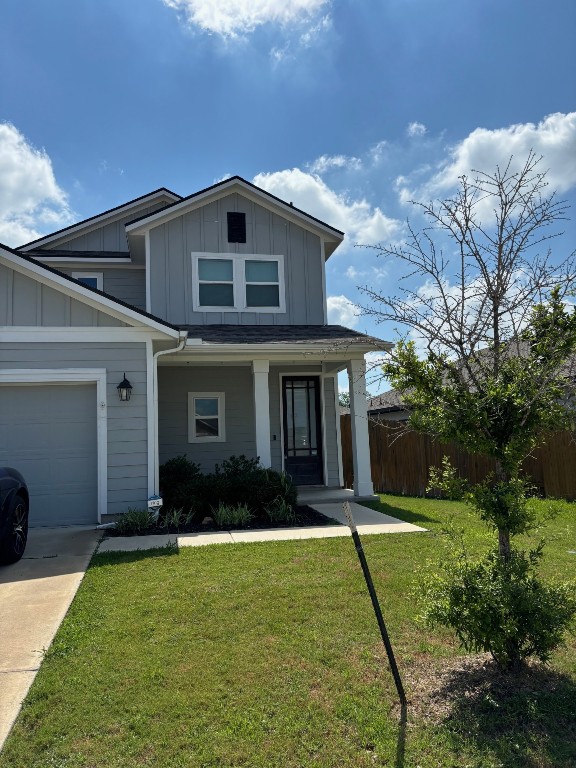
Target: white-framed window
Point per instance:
(206, 422)
(91, 279)
(237, 282)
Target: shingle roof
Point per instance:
(387, 401)
(79, 255)
(281, 334)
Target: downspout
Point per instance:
(173, 350)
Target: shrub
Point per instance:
(444, 483)
(240, 480)
(226, 515)
(500, 607)
(281, 511)
(182, 485)
(133, 522)
(176, 518)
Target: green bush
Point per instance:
(134, 521)
(182, 485)
(237, 481)
(176, 518)
(500, 607)
(281, 511)
(444, 483)
(227, 515)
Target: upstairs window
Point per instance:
(238, 283)
(262, 283)
(216, 282)
(236, 227)
(91, 279)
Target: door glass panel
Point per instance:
(214, 295)
(312, 416)
(301, 428)
(261, 271)
(215, 269)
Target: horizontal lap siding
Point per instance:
(174, 384)
(205, 230)
(127, 422)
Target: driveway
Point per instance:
(35, 595)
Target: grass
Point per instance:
(268, 655)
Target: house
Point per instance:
(388, 406)
(212, 308)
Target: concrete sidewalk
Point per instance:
(35, 595)
(367, 521)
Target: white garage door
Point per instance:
(48, 433)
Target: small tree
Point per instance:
(344, 399)
(496, 374)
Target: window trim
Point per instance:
(192, 436)
(239, 282)
(98, 275)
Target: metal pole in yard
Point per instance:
(375, 604)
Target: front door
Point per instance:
(302, 429)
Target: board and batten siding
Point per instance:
(127, 422)
(174, 384)
(128, 285)
(205, 230)
(107, 237)
(27, 302)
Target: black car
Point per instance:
(13, 515)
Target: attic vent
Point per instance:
(236, 227)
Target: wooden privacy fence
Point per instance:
(401, 463)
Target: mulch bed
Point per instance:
(306, 516)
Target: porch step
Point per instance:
(319, 494)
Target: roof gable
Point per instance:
(91, 296)
(332, 236)
(100, 219)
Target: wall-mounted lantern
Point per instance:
(124, 390)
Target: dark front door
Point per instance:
(302, 429)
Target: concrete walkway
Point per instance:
(35, 595)
(367, 521)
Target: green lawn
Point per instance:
(268, 656)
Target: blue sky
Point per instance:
(347, 108)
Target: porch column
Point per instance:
(260, 369)
(359, 424)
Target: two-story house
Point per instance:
(212, 308)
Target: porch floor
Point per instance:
(320, 494)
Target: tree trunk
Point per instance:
(504, 544)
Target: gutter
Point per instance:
(183, 335)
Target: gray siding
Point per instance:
(109, 237)
(128, 285)
(205, 230)
(174, 384)
(331, 436)
(25, 301)
(127, 422)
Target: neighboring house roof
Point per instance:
(330, 335)
(170, 211)
(157, 193)
(387, 402)
(86, 290)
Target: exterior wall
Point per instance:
(174, 383)
(127, 422)
(128, 285)
(109, 237)
(205, 230)
(26, 302)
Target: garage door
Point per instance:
(48, 433)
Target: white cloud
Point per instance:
(416, 129)
(342, 311)
(554, 138)
(362, 222)
(30, 198)
(328, 162)
(233, 18)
